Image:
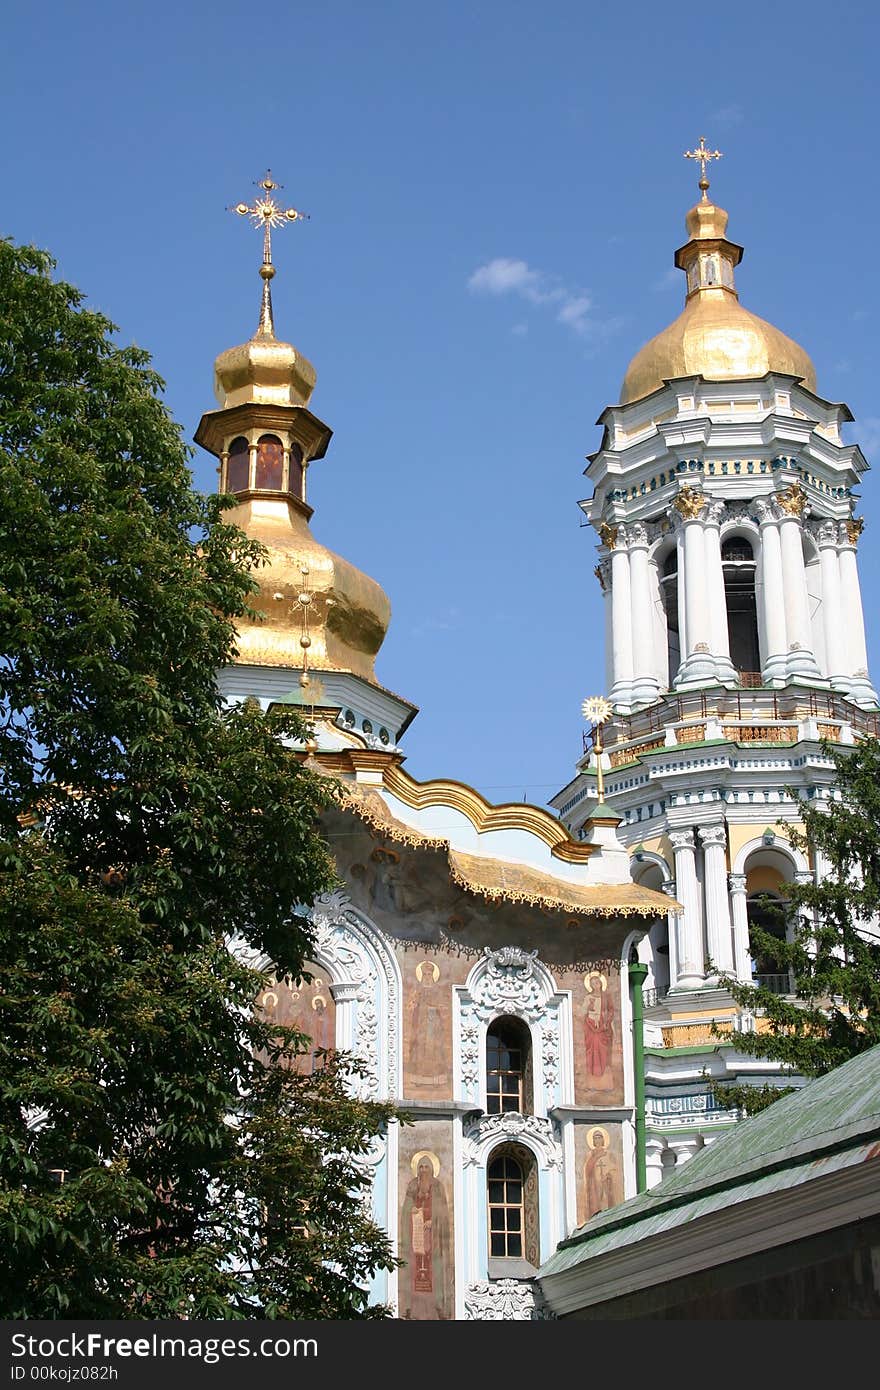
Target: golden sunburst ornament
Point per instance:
(597, 709)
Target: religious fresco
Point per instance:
(599, 1169)
(426, 1282)
(427, 1026)
(310, 1008)
(596, 1034)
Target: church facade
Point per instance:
(724, 507)
(487, 962)
(475, 957)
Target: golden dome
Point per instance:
(263, 371)
(714, 336)
(347, 612)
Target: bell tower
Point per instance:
(724, 505)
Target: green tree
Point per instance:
(833, 945)
(161, 1154)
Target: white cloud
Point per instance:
(574, 312)
(506, 275)
(519, 330)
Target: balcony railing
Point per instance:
(777, 984)
(750, 704)
(650, 997)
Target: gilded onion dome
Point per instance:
(714, 336)
(346, 615)
(313, 609)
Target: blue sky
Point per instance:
(495, 193)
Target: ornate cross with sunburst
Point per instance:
(266, 213)
(704, 155)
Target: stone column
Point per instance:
(654, 1161)
(719, 640)
(621, 618)
(697, 665)
(800, 660)
(740, 915)
(691, 960)
(860, 688)
(603, 575)
(645, 686)
(834, 619)
(668, 887)
(718, 939)
(775, 664)
(685, 1149)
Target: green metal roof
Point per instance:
(829, 1124)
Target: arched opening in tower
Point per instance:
(669, 594)
(738, 563)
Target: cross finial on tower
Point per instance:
(704, 156)
(266, 213)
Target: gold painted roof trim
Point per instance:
(371, 808)
(494, 880)
(483, 815)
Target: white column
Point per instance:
(719, 641)
(697, 667)
(834, 618)
(718, 938)
(603, 575)
(645, 687)
(621, 624)
(691, 960)
(668, 887)
(654, 1171)
(739, 913)
(861, 689)
(800, 661)
(685, 1149)
(682, 613)
(775, 665)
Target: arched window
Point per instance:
(738, 565)
(669, 594)
(508, 1067)
(767, 911)
(506, 1208)
(238, 466)
(270, 463)
(512, 1191)
(654, 948)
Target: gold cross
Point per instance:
(266, 213)
(704, 156)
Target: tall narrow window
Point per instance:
(238, 466)
(508, 1067)
(738, 564)
(506, 1208)
(767, 912)
(669, 593)
(295, 470)
(270, 463)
